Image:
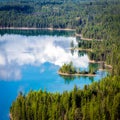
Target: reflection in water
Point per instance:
(81, 53)
(72, 52)
(18, 50)
(91, 79)
(68, 79)
(34, 60)
(37, 32)
(10, 72)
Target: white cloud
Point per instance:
(10, 73)
(2, 60)
(36, 50)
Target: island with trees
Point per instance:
(70, 70)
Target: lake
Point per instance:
(30, 59)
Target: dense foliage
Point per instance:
(99, 101)
(40, 13)
(104, 28)
(60, 14)
(70, 69)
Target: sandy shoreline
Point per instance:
(81, 36)
(93, 61)
(28, 28)
(76, 74)
(81, 49)
(87, 39)
(106, 65)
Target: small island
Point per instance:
(70, 70)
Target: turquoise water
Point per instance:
(30, 60)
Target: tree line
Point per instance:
(99, 101)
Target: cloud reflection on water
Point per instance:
(18, 50)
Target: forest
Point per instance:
(96, 19)
(69, 69)
(99, 101)
(55, 14)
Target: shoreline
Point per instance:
(47, 28)
(106, 65)
(81, 49)
(76, 74)
(87, 39)
(10, 116)
(60, 29)
(33, 28)
(93, 61)
(81, 36)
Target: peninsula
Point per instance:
(70, 70)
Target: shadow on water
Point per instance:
(72, 52)
(91, 79)
(69, 79)
(81, 53)
(37, 32)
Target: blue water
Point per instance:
(30, 60)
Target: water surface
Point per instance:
(30, 59)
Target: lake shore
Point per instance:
(49, 28)
(106, 65)
(33, 28)
(93, 61)
(10, 116)
(87, 39)
(83, 38)
(81, 49)
(76, 74)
